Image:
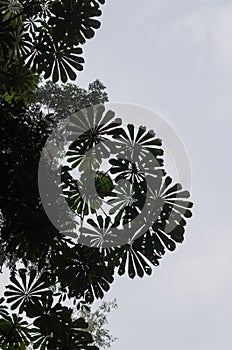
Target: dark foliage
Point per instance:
(55, 267)
(40, 37)
(52, 263)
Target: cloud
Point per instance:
(206, 29)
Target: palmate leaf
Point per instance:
(26, 291)
(137, 258)
(39, 341)
(80, 156)
(55, 59)
(22, 42)
(14, 332)
(83, 273)
(162, 229)
(135, 144)
(86, 154)
(125, 205)
(92, 126)
(54, 320)
(9, 8)
(126, 170)
(99, 233)
(56, 329)
(175, 211)
(84, 195)
(40, 306)
(127, 257)
(73, 21)
(139, 154)
(123, 196)
(139, 175)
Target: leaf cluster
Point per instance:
(55, 268)
(28, 238)
(40, 37)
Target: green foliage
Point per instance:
(14, 333)
(127, 160)
(97, 322)
(48, 268)
(28, 237)
(43, 38)
(18, 81)
(53, 327)
(65, 99)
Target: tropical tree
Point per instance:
(58, 266)
(64, 99)
(41, 38)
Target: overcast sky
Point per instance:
(175, 57)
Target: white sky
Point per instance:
(175, 57)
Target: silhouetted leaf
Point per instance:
(26, 291)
